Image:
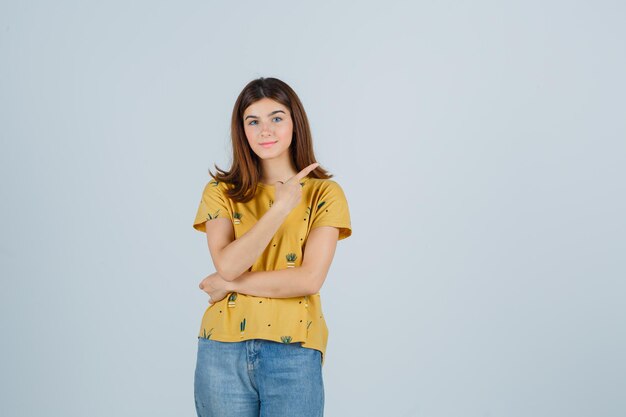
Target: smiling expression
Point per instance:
(268, 127)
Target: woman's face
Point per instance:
(268, 122)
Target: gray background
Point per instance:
(481, 146)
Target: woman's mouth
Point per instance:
(267, 144)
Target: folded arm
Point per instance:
(306, 279)
(284, 283)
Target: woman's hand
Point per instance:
(216, 286)
(288, 194)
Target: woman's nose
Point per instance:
(266, 127)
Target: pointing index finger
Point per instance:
(305, 171)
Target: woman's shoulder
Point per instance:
(216, 188)
(220, 184)
(323, 183)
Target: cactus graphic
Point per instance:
(308, 325)
(242, 326)
(291, 260)
(320, 205)
(286, 339)
(308, 212)
(214, 183)
(237, 217)
(205, 334)
(213, 216)
(231, 299)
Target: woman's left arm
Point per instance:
(306, 279)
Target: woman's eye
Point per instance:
(277, 117)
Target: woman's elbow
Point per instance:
(221, 264)
(315, 281)
(223, 272)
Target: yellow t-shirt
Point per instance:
(240, 317)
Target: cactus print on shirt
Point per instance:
(240, 317)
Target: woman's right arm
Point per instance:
(232, 257)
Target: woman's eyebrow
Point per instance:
(274, 112)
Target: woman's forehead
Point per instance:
(265, 107)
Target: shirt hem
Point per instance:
(231, 338)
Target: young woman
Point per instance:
(272, 224)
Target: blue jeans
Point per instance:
(258, 378)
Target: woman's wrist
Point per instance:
(281, 208)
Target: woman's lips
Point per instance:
(267, 144)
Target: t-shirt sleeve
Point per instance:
(332, 210)
(213, 205)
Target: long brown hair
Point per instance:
(245, 170)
